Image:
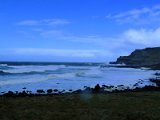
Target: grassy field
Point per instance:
(114, 106)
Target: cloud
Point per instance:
(29, 22)
(126, 40)
(52, 33)
(149, 37)
(44, 22)
(144, 15)
(54, 52)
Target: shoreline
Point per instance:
(96, 90)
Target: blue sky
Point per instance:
(76, 30)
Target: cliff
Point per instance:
(141, 57)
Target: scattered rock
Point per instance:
(55, 90)
(40, 91)
(22, 94)
(70, 90)
(157, 74)
(49, 91)
(155, 80)
(9, 94)
(97, 88)
(77, 91)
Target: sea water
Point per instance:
(15, 76)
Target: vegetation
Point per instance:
(143, 57)
(113, 106)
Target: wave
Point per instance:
(51, 63)
(24, 73)
(58, 70)
(5, 67)
(80, 74)
(3, 73)
(3, 64)
(30, 69)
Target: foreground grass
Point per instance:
(115, 106)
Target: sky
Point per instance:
(76, 30)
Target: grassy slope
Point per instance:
(115, 106)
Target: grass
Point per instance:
(114, 106)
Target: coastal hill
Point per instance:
(141, 57)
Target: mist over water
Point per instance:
(66, 76)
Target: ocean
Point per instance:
(17, 76)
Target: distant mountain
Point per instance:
(141, 57)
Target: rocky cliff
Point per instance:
(141, 57)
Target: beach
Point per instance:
(74, 91)
(69, 77)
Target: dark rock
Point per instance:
(87, 90)
(104, 86)
(23, 94)
(59, 92)
(49, 91)
(150, 88)
(16, 92)
(55, 90)
(120, 85)
(135, 85)
(40, 91)
(97, 88)
(108, 87)
(142, 57)
(9, 94)
(155, 80)
(70, 90)
(157, 74)
(78, 91)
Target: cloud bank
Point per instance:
(144, 15)
(54, 52)
(149, 37)
(43, 22)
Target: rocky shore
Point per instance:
(97, 89)
(148, 57)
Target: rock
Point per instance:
(9, 94)
(97, 88)
(78, 91)
(23, 94)
(107, 87)
(55, 90)
(142, 57)
(87, 90)
(155, 80)
(70, 90)
(40, 91)
(49, 91)
(63, 90)
(150, 88)
(157, 74)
